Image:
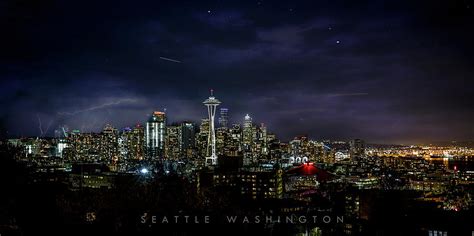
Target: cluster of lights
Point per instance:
(144, 171)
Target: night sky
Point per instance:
(384, 71)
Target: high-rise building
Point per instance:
(222, 137)
(247, 133)
(357, 149)
(62, 144)
(262, 140)
(211, 103)
(224, 117)
(234, 145)
(155, 135)
(188, 136)
(86, 146)
(202, 137)
(173, 142)
(315, 151)
(249, 136)
(136, 143)
(109, 149)
(131, 143)
(274, 146)
(124, 143)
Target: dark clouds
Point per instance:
(401, 72)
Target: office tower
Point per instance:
(61, 145)
(109, 144)
(262, 140)
(131, 143)
(357, 149)
(124, 140)
(87, 146)
(211, 103)
(247, 132)
(155, 134)
(137, 143)
(188, 136)
(224, 117)
(234, 145)
(222, 140)
(315, 151)
(249, 135)
(202, 138)
(173, 142)
(274, 146)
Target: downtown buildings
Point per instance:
(248, 148)
(252, 166)
(158, 140)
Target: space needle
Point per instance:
(211, 103)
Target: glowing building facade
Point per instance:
(155, 135)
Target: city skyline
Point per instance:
(51, 132)
(234, 117)
(386, 72)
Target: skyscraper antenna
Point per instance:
(212, 92)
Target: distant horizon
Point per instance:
(270, 130)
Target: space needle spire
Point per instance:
(211, 103)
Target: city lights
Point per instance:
(328, 118)
(144, 171)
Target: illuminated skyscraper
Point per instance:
(234, 146)
(173, 142)
(224, 117)
(109, 143)
(211, 103)
(155, 135)
(136, 143)
(188, 134)
(222, 138)
(124, 143)
(248, 136)
(202, 138)
(247, 133)
(62, 144)
(263, 140)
